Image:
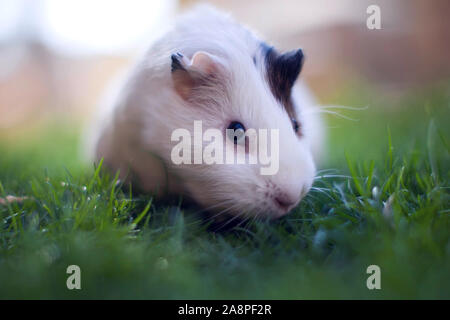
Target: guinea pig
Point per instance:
(209, 68)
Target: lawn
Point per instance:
(381, 198)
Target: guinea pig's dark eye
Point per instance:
(238, 132)
(295, 125)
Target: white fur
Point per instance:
(135, 136)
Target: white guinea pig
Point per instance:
(209, 68)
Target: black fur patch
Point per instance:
(176, 64)
(282, 72)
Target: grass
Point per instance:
(381, 198)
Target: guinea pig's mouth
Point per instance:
(280, 204)
(284, 204)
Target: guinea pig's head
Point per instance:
(248, 99)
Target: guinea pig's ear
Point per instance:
(189, 74)
(290, 64)
(283, 70)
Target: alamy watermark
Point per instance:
(373, 21)
(74, 280)
(241, 147)
(374, 280)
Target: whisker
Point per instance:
(344, 107)
(207, 209)
(330, 176)
(222, 212)
(232, 219)
(337, 114)
(320, 190)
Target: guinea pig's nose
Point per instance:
(284, 201)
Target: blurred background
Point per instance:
(56, 57)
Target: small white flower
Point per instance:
(387, 207)
(375, 192)
(162, 263)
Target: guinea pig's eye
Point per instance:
(295, 125)
(238, 133)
